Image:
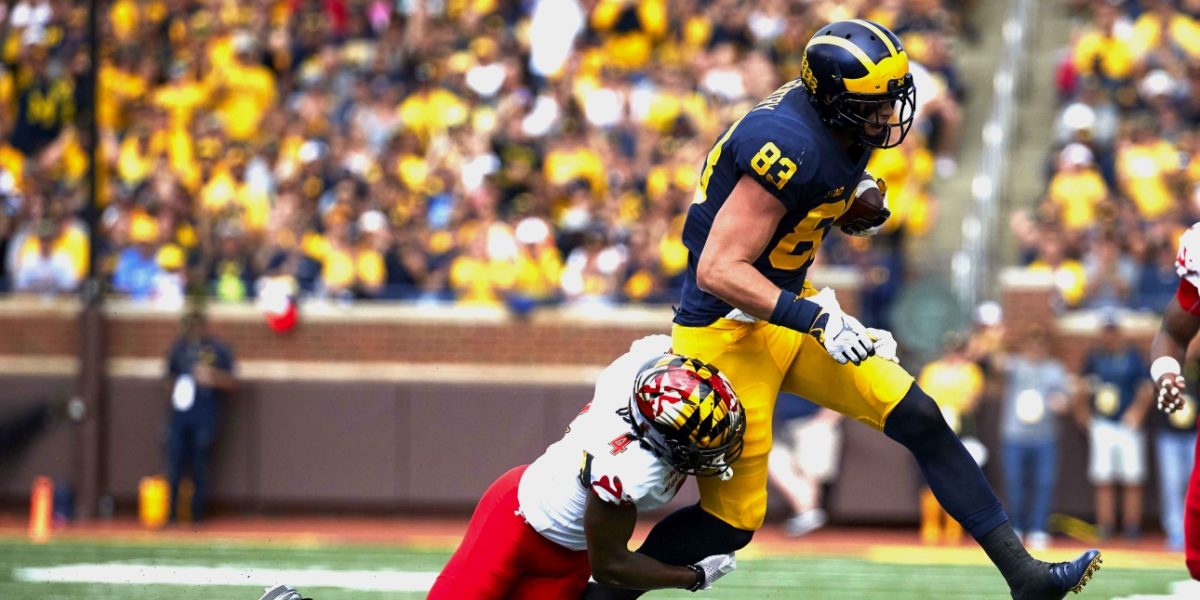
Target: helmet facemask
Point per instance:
(853, 112)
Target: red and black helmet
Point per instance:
(687, 413)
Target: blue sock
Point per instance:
(952, 474)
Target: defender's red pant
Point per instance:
(1191, 518)
(502, 557)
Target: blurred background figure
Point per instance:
(200, 376)
(1111, 406)
(956, 384)
(805, 456)
(1035, 394)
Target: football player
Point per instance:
(769, 192)
(542, 529)
(1180, 323)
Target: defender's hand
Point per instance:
(711, 569)
(844, 338)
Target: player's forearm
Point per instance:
(640, 572)
(738, 283)
(1166, 344)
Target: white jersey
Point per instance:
(1187, 261)
(598, 455)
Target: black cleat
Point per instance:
(282, 592)
(1057, 579)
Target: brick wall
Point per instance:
(358, 333)
(409, 335)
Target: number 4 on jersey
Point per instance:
(620, 443)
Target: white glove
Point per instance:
(885, 345)
(844, 338)
(713, 568)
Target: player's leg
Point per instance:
(1191, 518)
(543, 588)
(484, 567)
(729, 511)
(752, 356)
(1015, 468)
(176, 455)
(882, 394)
(1045, 474)
(785, 472)
(203, 437)
(1133, 476)
(1101, 472)
(1173, 454)
(550, 571)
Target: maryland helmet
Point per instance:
(686, 412)
(854, 69)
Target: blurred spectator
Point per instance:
(956, 384)
(1077, 192)
(137, 265)
(1112, 406)
(1157, 280)
(1174, 444)
(42, 265)
(1145, 165)
(1105, 50)
(591, 270)
(805, 456)
(1068, 275)
(1035, 394)
(230, 275)
(1109, 275)
(200, 374)
(291, 122)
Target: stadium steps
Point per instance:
(977, 61)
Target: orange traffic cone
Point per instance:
(41, 509)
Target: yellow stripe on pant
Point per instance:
(760, 359)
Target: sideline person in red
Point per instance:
(541, 530)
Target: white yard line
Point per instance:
(134, 574)
(1180, 590)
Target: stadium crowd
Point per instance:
(483, 152)
(1123, 175)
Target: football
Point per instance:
(866, 203)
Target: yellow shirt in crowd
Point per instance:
(1077, 194)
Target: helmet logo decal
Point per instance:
(806, 75)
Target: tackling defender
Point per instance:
(542, 529)
(771, 189)
(1180, 324)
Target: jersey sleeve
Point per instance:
(1187, 266)
(618, 476)
(781, 161)
(613, 385)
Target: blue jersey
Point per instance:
(783, 145)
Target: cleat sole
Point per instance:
(1087, 574)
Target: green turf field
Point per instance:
(37, 572)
